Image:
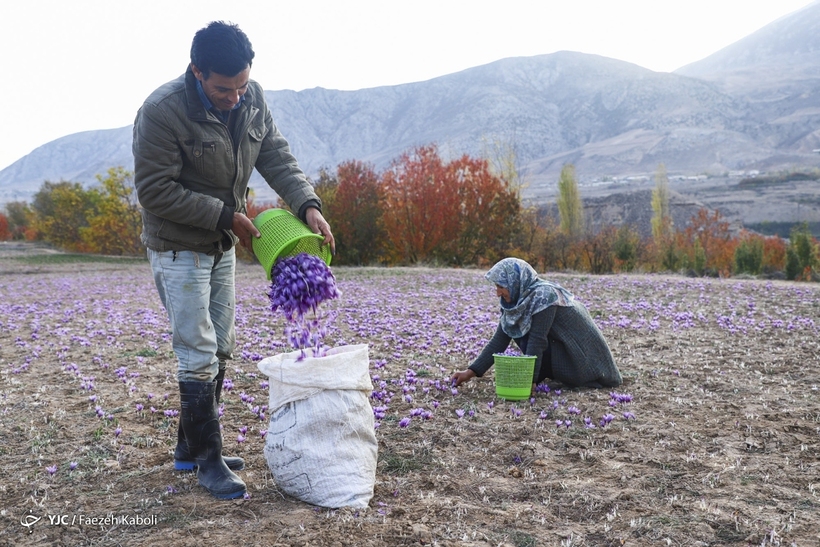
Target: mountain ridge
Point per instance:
(729, 112)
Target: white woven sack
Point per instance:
(321, 444)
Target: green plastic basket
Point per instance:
(513, 376)
(285, 235)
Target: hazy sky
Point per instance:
(78, 65)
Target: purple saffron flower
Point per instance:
(298, 285)
(404, 422)
(51, 470)
(460, 413)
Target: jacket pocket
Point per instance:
(256, 134)
(209, 158)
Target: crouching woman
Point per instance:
(546, 321)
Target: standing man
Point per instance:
(196, 141)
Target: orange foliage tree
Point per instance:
(420, 206)
(452, 213)
(5, 233)
(774, 253)
(487, 213)
(709, 243)
(358, 214)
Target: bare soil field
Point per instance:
(713, 439)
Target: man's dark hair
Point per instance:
(222, 48)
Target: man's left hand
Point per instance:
(319, 225)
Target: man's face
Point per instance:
(223, 91)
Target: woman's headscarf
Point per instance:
(528, 295)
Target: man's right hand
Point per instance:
(244, 229)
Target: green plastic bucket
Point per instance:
(285, 235)
(513, 376)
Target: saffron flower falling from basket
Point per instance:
(300, 283)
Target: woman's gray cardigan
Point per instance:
(578, 351)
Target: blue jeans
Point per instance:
(199, 294)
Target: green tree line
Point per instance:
(423, 209)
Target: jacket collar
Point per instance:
(196, 109)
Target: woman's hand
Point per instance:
(460, 377)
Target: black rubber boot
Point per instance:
(183, 460)
(200, 424)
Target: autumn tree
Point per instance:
(325, 187)
(357, 214)
(569, 203)
(802, 255)
(774, 254)
(115, 222)
(487, 213)
(597, 250)
(626, 248)
(19, 215)
(5, 233)
(709, 243)
(60, 212)
(450, 213)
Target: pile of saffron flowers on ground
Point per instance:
(299, 284)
